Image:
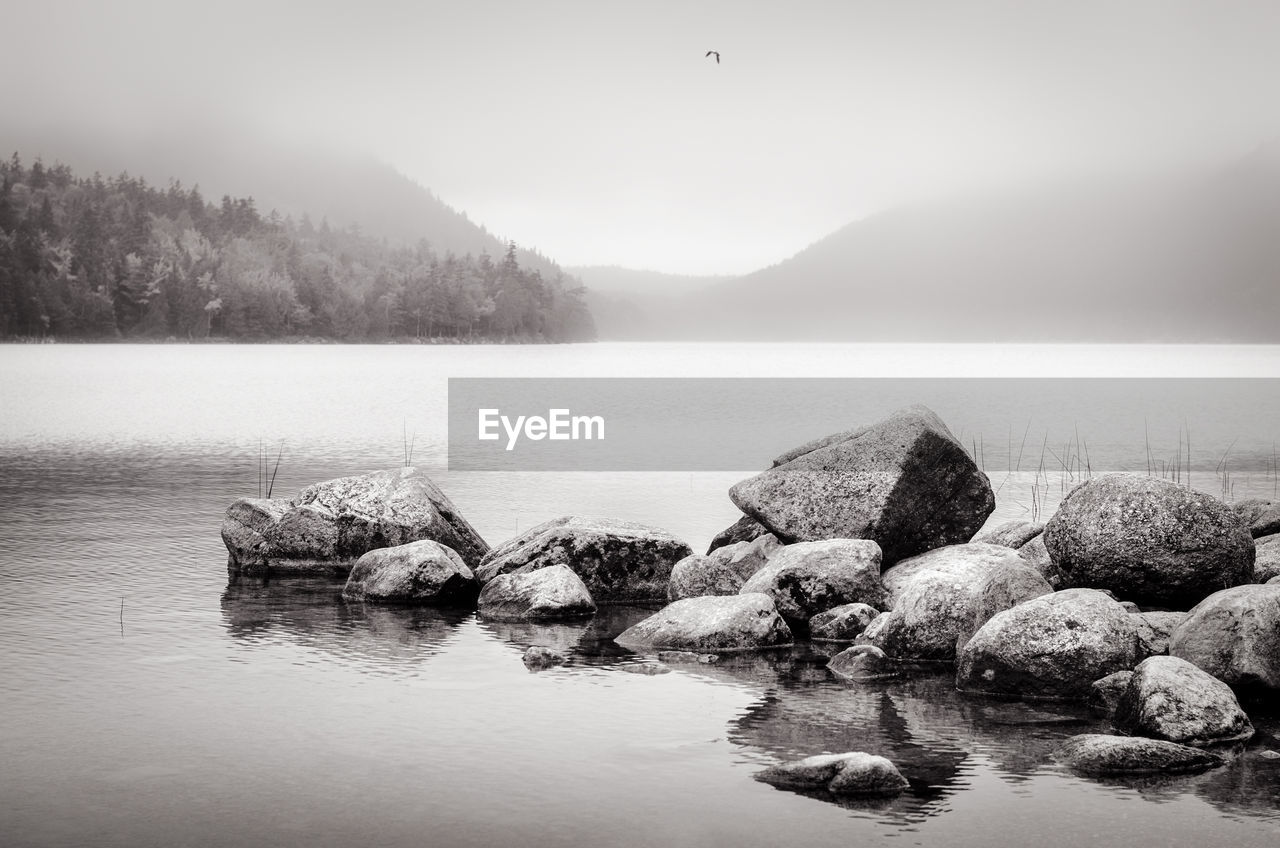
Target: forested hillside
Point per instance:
(89, 258)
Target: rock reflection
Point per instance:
(310, 611)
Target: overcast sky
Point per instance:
(598, 132)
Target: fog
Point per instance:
(600, 134)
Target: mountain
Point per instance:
(639, 305)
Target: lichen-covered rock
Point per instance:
(1148, 540)
(1154, 630)
(841, 624)
(1235, 636)
(1101, 754)
(620, 561)
(1053, 646)
(1261, 516)
(854, 774)
(330, 525)
(542, 594)
(721, 572)
(932, 598)
(1105, 692)
(808, 577)
(537, 658)
(861, 663)
(1006, 586)
(424, 572)
(745, 529)
(1010, 534)
(1037, 556)
(1266, 565)
(1169, 698)
(711, 623)
(905, 483)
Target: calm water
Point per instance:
(144, 701)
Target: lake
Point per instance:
(149, 700)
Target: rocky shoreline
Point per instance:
(1156, 605)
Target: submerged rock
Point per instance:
(721, 572)
(422, 572)
(905, 483)
(1261, 516)
(1169, 698)
(808, 577)
(1148, 540)
(862, 663)
(330, 525)
(745, 529)
(932, 598)
(1235, 636)
(537, 658)
(1054, 646)
(542, 594)
(1101, 754)
(1010, 534)
(853, 774)
(711, 623)
(620, 561)
(841, 624)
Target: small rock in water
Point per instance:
(862, 663)
(675, 657)
(644, 669)
(1102, 754)
(1106, 691)
(538, 657)
(1269, 755)
(1169, 698)
(841, 624)
(855, 774)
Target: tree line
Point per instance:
(93, 259)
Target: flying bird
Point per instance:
(715, 53)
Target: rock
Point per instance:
(745, 529)
(1235, 636)
(809, 577)
(423, 572)
(537, 658)
(932, 598)
(620, 561)
(1169, 698)
(330, 525)
(687, 657)
(1274, 581)
(1154, 630)
(1261, 516)
(905, 483)
(542, 594)
(1100, 754)
(862, 663)
(1105, 692)
(1010, 534)
(1005, 586)
(1130, 607)
(1266, 565)
(1037, 556)
(1053, 646)
(841, 624)
(711, 623)
(1148, 540)
(721, 572)
(851, 774)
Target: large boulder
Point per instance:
(745, 529)
(1169, 698)
(855, 774)
(1054, 646)
(1007, 585)
(1235, 636)
(841, 624)
(711, 624)
(1011, 534)
(1262, 517)
(543, 594)
(330, 525)
(1101, 754)
(809, 577)
(1266, 566)
(932, 598)
(422, 572)
(905, 483)
(620, 561)
(1148, 540)
(721, 572)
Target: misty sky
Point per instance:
(598, 132)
